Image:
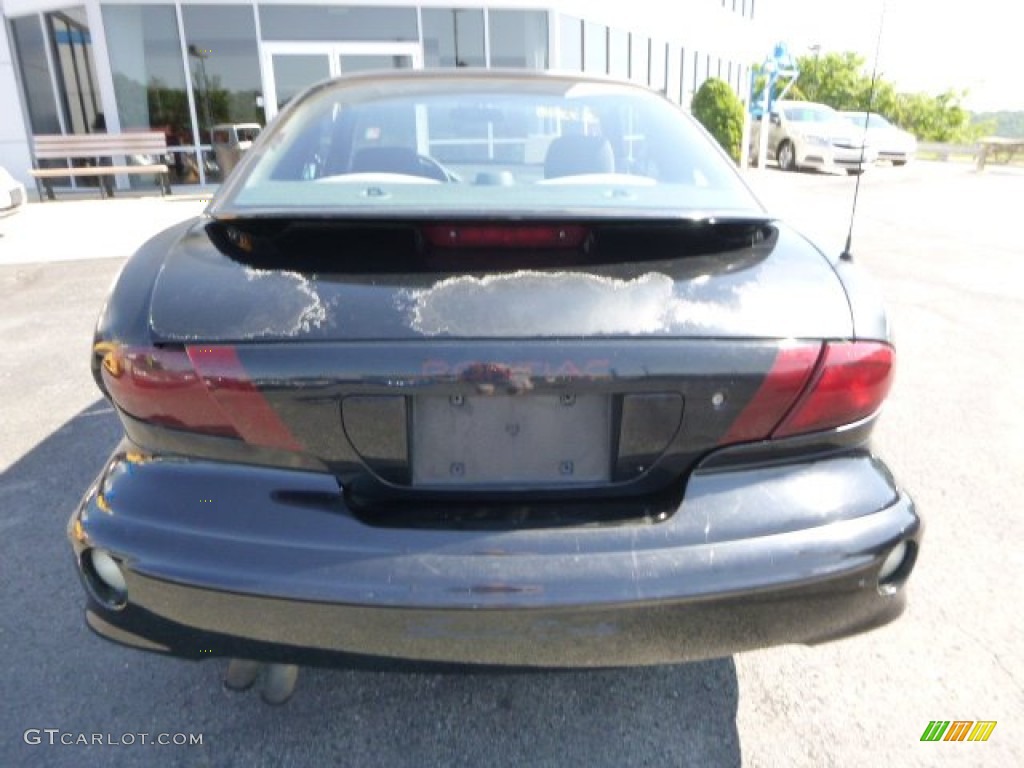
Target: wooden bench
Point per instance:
(95, 146)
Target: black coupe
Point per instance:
(493, 369)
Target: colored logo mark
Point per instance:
(958, 730)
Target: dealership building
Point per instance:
(182, 67)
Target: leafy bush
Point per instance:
(720, 110)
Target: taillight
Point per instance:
(850, 383)
(781, 387)
(517, 235)
(196, 389)
(229, 384)
(160, 386)
(813, 387)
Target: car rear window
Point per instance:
(484, 145)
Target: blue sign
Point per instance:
(778, 64)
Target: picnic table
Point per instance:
(995, 147)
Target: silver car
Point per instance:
(803, 134)
(893, 144)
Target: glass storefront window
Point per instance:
(337, 23)
(453, 37)
(30, 53)
(519, 39)
(71, 46)
(153, 58)
(35, 75)
(595, 48)
(293, 73)
(368, 62)
(149, 78)
(223, 60)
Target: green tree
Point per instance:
(794, 93)
(841, 81)
(168, 110)
(935, 118)
(836, 79)
(719, 110)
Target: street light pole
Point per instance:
(204, 89)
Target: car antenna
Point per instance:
(847, 254)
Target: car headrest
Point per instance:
(574, 155)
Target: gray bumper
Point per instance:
(241, 561)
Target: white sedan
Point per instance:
(893, 144)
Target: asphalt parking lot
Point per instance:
(942, 243)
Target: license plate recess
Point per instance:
(511, 441)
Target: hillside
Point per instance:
(1003, 123)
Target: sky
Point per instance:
(926, 45)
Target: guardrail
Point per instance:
(944, 151)
(989, 148)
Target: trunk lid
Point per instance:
(741, 278)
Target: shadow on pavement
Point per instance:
(58, 675)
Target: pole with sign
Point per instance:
(779, 65)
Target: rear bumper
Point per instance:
(221, 560)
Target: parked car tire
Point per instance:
(786, 156)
